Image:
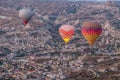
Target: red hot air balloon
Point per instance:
(91, 31)
(25, 14)
(66, 32)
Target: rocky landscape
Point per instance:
(37, 52)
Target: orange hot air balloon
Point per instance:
(91, 31)
(66, 32)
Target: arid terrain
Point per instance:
(37, 52)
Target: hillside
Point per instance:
(37, 51)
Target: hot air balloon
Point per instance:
(66, 32)
(26, 15)
(91, 31)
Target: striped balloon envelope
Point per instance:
(91, 31)
(66, 32)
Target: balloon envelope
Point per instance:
(25, 14)
(66, 32)
(91, 31)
